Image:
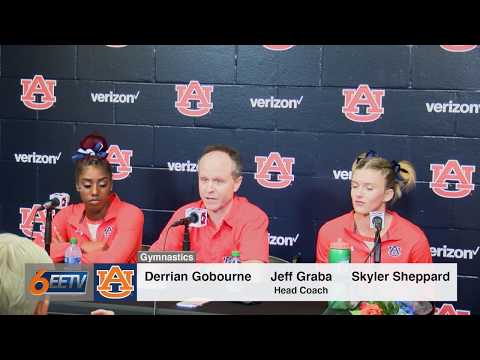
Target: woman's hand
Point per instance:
(92, 246)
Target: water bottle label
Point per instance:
(72, 260)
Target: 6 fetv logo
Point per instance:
(60, 282)
(115, 282)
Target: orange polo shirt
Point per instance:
(244, 228)
(404, 242)
(121, 229)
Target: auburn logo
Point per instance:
(452, 180)
(394, 250)
(30, 216)
(458, 48)
(121, 158)
(371, 100)
(278, 47)
(107, 232)
(115, 275)
(274, 163)
(38, 93)
(194, 99)
(449, 309)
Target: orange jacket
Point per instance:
(404, 242)
(244, 228)
(121, 229)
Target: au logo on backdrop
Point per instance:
(458, 48)
(452, 180)
(38, 93)
(370, 100)
(120, 159)
(449, 309)
(274, 163)
(278, 47)
(29, 217)
(115, 282)
(194, 99)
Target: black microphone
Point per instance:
(377, 221)
(51, 204)
(187, 220)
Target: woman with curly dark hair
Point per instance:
(108, 230)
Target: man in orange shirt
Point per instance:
(376, 184)
(107, 229)
(233, 223)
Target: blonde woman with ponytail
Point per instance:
(377, 183)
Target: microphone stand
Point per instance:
(48, 230)
(186, 238)
(377, 248)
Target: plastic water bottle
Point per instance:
(73, 254)
(340, 252)
(234, 259)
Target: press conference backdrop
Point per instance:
(298, 114)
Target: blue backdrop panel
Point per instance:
(12, 107)
(38, 139)
(233, 108)
(56, 61)
(466, 108)
(318, 111)
(456, 246)
(78, 101)
(154, 223)
(414, 118)
(258, 65)
(205, 63)
(377, 65)
(436, 68)
(156, 189)
(132, 63)
(155, 105)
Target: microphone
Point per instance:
(192, 218)
(57, 201)
(51, 204)
(377, 222)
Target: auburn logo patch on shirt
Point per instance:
(107, 232)
(394, 250)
